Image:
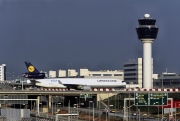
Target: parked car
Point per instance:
(112, 111)
(134, 114)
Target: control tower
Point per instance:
(147, 33)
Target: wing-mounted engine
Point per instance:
(82, 87)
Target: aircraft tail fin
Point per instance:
(31, 68)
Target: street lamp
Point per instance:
(89, 109)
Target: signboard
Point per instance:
(88, 95)
(141, 99)
(158, 99)
(152, 99)
(82, 96)
(85, 95)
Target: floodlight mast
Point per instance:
(147, 33)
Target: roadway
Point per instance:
(71, 93)
(40, 92)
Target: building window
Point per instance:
(128, 65)
(130, 69)
(107, 74)
(117, 74)
(96, 74)
(130, 74)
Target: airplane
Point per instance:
(80, 83)
(32, 73)
(70, 83)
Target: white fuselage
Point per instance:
(93, 83)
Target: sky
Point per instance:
(96, 34)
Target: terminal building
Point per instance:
(52, 74)
(62, 73)
(2, 72)
(133, 70)
(72, 73)
(167, 80)
(133, 73)
(85, 73)
(119, 74)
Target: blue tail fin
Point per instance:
(31, 68)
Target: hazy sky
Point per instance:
(97, 34)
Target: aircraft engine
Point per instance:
(87, 88)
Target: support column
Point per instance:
(37, 102)
(49, 101)
(98, 100)
(147, 64)
(39, 98)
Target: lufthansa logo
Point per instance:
(106, 80)
(31, 69)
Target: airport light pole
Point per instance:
(162, 95)
(162, 81)
(115, 103)
(22, 82)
